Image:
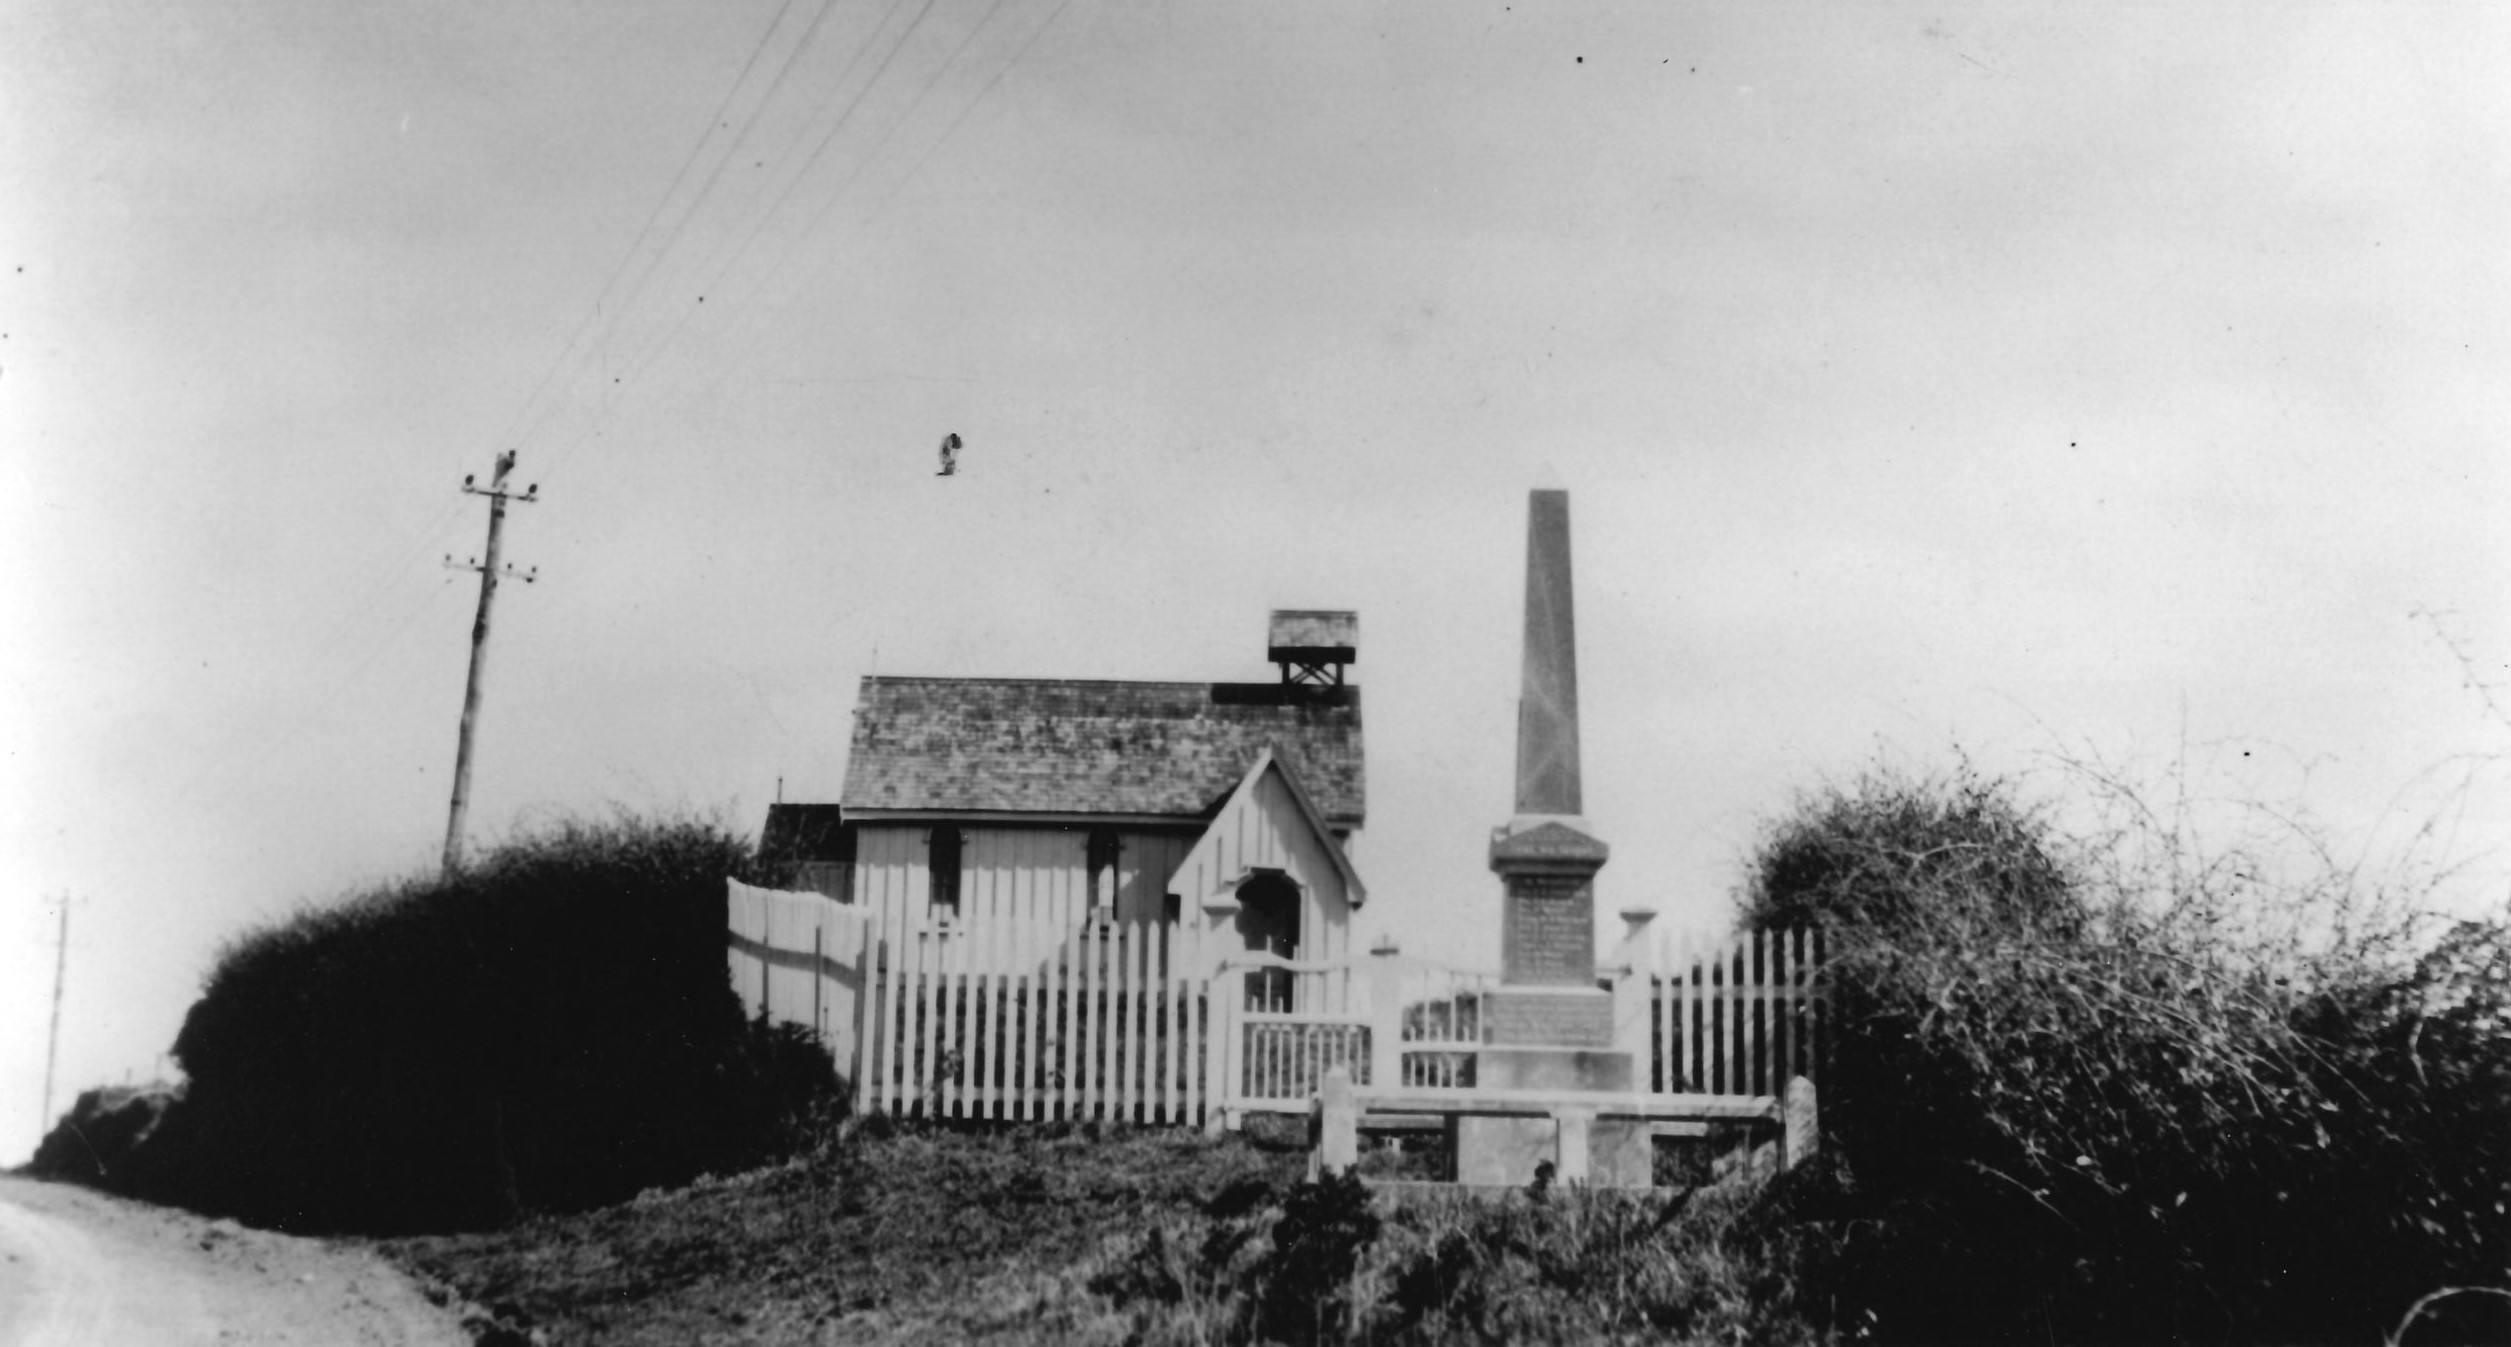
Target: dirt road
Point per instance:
(80, 1268)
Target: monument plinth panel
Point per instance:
(1547, 1001)
(1547, 932)
(1547, 869)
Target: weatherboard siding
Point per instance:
(1032, 879)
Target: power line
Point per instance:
(674, 212)
(952, 129)
(837, 196)
(626, 312)
(726, 366)
(600, 308)
(758, 223)
(711, 281)
(679, 209)
(627, 306)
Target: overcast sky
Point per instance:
(2096, 379)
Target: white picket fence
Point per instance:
(798, 958)
(1382, 1017)
(1103, 1024)
(1735, 1016)
(1120, 1021)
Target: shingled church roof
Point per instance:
(1096, 747)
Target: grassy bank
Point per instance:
(925, 1237)
(1071, 1236)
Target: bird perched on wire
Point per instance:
(950, 455)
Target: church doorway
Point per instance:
(1268, 920)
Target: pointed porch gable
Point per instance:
(1270, 827)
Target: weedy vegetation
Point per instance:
(920, 1234)
(877, 1232)
(2130, 1086)
(1330, 1263)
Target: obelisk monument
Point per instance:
(1547, 856)
(1547, 1026)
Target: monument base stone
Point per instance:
(1503, 1152)
(1621, 1153)
(1518, 1067)
(1499, 1152)
(1570, 1017)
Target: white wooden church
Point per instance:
(1045, 806)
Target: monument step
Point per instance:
(1544, 1103)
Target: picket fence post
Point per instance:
(866, 974)
(1221, 1039)
(1755, 1068)
(1033, 979)
(1165, 1008)
(1068, 1011)
(1386, 1019)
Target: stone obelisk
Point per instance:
(1548, 1027)
(1547, 698)
(1548, 1023)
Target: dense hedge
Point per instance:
(550, 1028)
(2079, 1099)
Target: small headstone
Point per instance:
(1336, 1146)
(1802, 1135)
(1569, 1157)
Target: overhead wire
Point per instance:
(805, 163)
(666, 228)
(602, 306)
(534, 408)
(705, 195)
(669, 264)
(738, 351)
(833, 199)
(711, 281)
(604, 309)
(971, 106)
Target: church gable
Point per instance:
(1269, 827)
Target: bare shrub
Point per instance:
(2131, 1086)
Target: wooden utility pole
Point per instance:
(60, 970)
(489, 569)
